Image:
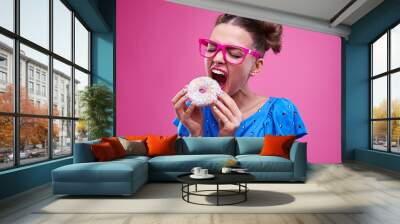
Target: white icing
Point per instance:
(203, 91)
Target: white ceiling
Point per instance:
(321, 9)
(327, 16)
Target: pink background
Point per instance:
(157, 54)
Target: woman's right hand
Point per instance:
(191, 117)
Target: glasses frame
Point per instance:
(222, 47)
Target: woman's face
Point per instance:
(236, 75)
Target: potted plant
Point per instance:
(96, 102)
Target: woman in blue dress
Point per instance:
(232, 55)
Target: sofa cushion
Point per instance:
(206, 145)
(103, 152)
(249, 145)
(277, 145)
(111, 171)
(161, 145)
(134, 147)
(132, 158)
(116, 145)
(257, 163)
(185, 163)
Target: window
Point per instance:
(81, 45)
(30, 87)
(3, 78)
(62, 137)
(3, 82)
(45, 105)
(55, 103)
(7, 14)
(37, 89)
(34, 21)
(40, 63)
(62, 74)
(395, 47)
(81, 81)
(385, 94)
(38, 74)
(33, 149)
(30, 72)
(379, 56)
(44, 91)
(3, 72)
(62, 29)
(6, 142)
(6, 74)
(3, 61)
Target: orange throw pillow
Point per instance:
(116, 145)
(134, 138)
(161, 145)
(103, 152)
(277, 145)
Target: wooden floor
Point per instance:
(378, 188)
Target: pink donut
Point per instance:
(203, 91)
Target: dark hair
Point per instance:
(265, 35)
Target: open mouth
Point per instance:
(220, 76)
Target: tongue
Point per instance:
(220, 79)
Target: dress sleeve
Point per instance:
(287, 119)
(182, 130)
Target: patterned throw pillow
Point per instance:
(134, 147)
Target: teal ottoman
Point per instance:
(119, 177)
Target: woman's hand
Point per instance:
(191, 117)
(227, 114)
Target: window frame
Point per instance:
(16, 115)
(388, 74)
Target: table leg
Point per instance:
(245, 193)
(182, 190)
(188, 190)
(196, 188)
(217, 194)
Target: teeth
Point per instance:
(217, 72)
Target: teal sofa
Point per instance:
(125, 176)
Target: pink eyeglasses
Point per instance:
(232, 54)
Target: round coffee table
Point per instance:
(238, 179)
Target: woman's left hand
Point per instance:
(227, 114)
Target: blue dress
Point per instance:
(277, 116)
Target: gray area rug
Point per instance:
(166, 198)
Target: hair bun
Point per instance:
(265, 34)
(273, 36)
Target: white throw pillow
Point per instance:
(134, 147)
